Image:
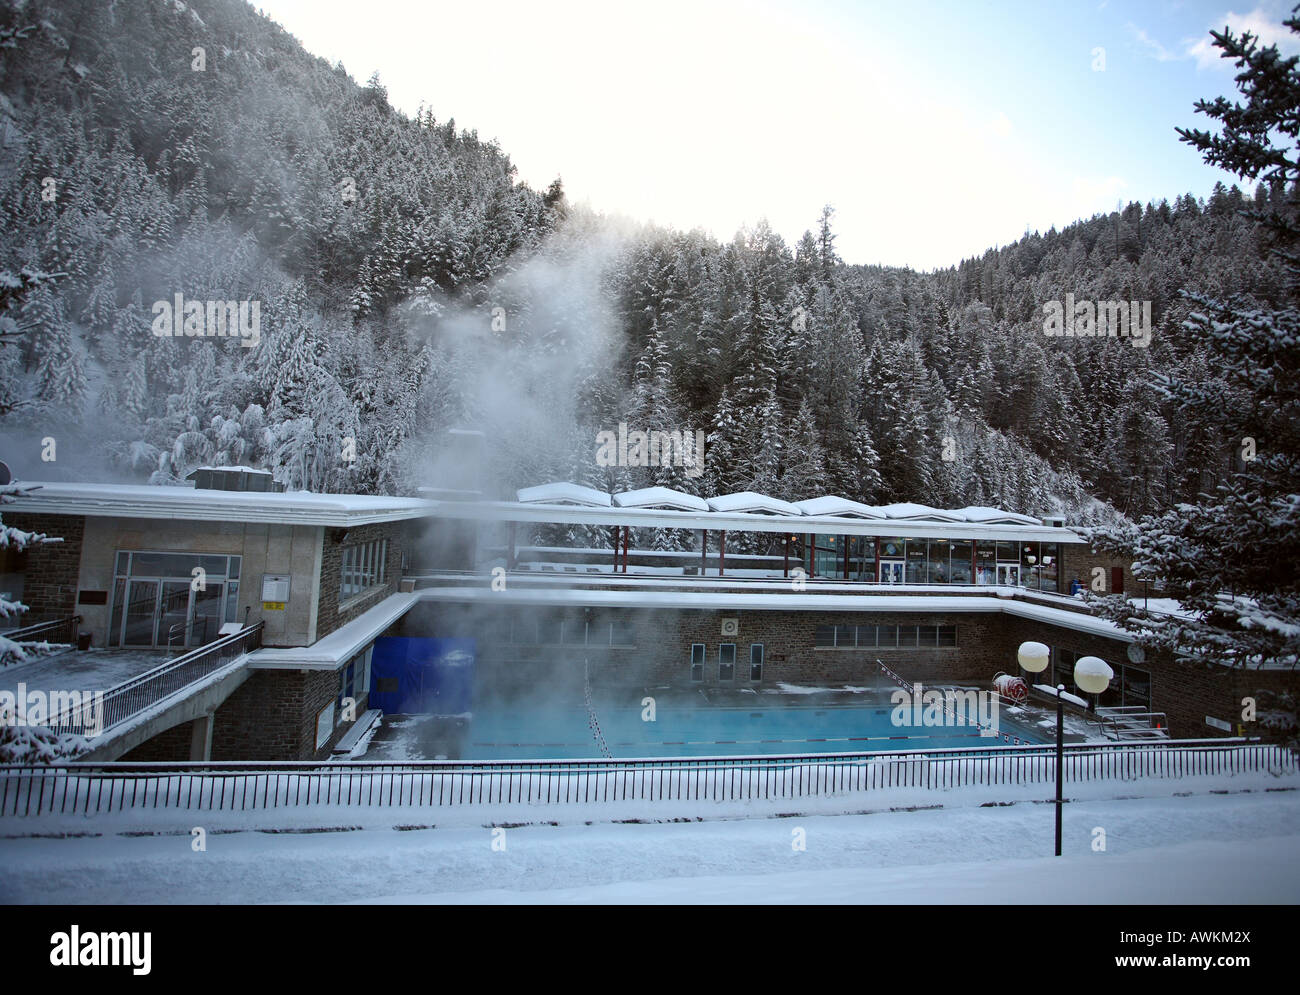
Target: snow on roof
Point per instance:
(201, 504)
(995, 516)
(563, 492)
(754, 502)
(920, 512)
(232, 469)
(660, 497)
(838, 507)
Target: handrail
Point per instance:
(27, 633)
(132, 696)
(83, 788)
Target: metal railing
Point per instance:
(58, 630)
(135, 695)
(1132, 722)
(188, 629)
(32, 790)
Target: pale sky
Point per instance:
(936, 130)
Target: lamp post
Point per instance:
(1091, 675)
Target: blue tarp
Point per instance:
(422, 675)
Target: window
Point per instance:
(363, 567)
(622, 634)
(697, 662)
(756, 662)
(727, 662)
(155, 602)
(884, 636)
(354, 683)
(324, 725)
(960, 563)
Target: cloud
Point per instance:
(1268, 28)
(1153, 47)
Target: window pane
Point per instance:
(697, 653)
(947, 635)
(727, 652)
(866, 635)
(824, 636)
(959, 560)
(844, 635)
(887, 635)
(907, 635)
(916, 561)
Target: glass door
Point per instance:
(891, 571)
(141, 606)
(1009, 574)
(174, 613)
(206, 614)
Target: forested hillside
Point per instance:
(408, 284)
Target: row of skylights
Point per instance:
(751, 502)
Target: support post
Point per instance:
(1060, 760)
(201, 739)
(510, 546)
(704, 551)
(722, 551)
(785, 543)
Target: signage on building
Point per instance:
(275, 590)
(1214, 723)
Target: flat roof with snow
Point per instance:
(195, 504)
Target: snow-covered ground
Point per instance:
(1208, 848)
(89, 670)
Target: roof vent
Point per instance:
(233, 478)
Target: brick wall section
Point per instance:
(168, 746)
(662, 652)
(328, 616)
(273, 716)
(1079, 559)
(51, 571)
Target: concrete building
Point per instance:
(823, 590)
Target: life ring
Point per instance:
(1012, 688)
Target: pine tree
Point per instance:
(1233, 559)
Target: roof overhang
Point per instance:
(193, 505)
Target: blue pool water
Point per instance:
(518, 733)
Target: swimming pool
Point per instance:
(517, 732)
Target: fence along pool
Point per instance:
(103, 788)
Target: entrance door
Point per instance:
(1009, 574)
(141, 605)
(174, 613)
(891, 571)
(206, 613)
